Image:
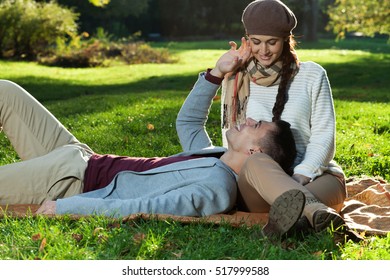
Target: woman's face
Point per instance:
(266, 49)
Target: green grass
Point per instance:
(112, 109)
(96, 238)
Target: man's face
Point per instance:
(246, 137)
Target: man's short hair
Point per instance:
(280, 145)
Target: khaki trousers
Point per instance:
(53, 160)
(262, 180)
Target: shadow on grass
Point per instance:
(363, 80)
(372, 45)
(46, 89)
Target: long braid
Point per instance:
(288, 57)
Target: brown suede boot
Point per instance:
(284, 213)
(321, 216)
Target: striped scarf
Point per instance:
(235, 89)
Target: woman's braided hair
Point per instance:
(288, 57)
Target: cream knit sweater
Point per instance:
(310, 112)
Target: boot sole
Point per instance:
(284, 213)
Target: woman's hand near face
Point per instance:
(232, 59)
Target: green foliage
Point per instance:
(28, 28)
(366, 16)
(101, 51)
(144, 53)
(99, 3)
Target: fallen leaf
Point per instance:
(150, 126)
(43, 244)
(36, 237)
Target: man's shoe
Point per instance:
(284, 213)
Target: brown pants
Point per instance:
(262, 180)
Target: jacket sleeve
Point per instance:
(192, 117)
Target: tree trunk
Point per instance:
(311, 12)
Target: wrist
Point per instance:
(214, 76)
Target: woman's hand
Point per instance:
(301, 179)
(232, 59)
(47, 208)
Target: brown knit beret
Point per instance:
(268, 17)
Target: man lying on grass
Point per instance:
(67, 177)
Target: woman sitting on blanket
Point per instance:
(264, 80)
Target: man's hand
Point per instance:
(233, 59)
(47, 208)
(301, 179)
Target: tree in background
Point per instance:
(222, 18)
(187, 18)
(28, 28)
(369, 17)
(308, 14)
(116, 17)
(217, 19)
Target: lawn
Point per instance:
(131, 110)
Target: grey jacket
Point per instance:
(197, 187)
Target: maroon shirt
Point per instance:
(102, 169)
